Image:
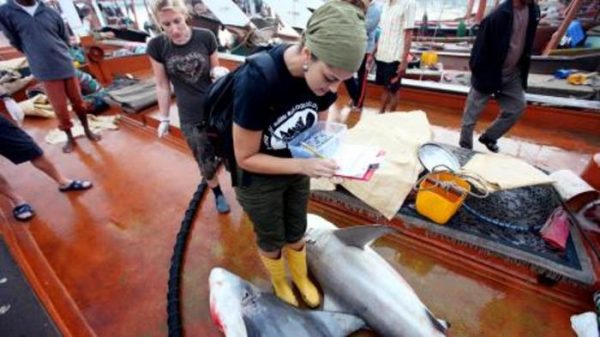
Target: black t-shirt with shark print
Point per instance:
(281, 110)
(188, 69)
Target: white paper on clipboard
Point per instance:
(354, 161)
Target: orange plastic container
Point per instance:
(440, 203)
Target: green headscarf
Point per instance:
(336, 35)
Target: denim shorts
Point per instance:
(16, 144)
(277, 206)
(385, 73)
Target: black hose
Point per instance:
(173, 293)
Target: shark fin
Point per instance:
(337, 323)
(440, 325)
(361, 236)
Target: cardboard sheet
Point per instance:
(399, 135)
(504, 172)
(38, 106)
(97, 124)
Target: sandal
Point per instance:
(76, 185)
(23, 212)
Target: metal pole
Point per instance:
(572, 12)
(136, 24)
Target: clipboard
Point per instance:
(357, 162)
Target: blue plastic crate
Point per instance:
(323, 137)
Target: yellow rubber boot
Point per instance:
(297, 264)
(276, 268)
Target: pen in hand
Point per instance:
(312, 150)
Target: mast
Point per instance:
(572, 11)
(469, 9)
(136, 23)
(481, 10)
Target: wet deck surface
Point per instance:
(111, 246)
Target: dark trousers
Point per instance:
(277, 207)
(356, 86)
(512, 105)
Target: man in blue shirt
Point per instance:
(40, 33)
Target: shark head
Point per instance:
(318, 230)
(228, 293)
(316, 226)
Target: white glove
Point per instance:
(15, 110)
(163, 128)
(218, 72)
(585, 325)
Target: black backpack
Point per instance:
(218, 108)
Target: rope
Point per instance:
(174, 292)
(475, 180)
(245, 42)
(478, 183)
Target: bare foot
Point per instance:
(93, 136)
(69, 146)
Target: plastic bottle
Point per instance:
(424, 24)
(461, 30)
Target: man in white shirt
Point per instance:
(397, 23)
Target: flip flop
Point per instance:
(76, 185)
(23, 212)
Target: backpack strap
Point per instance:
(265, 63)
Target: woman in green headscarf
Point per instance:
(273, 187)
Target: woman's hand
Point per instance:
(401, 71)
(317, 168)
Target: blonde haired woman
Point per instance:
(185, 57)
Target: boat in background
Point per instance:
(454, 55)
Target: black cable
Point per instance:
(173, 293)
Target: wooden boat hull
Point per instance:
(539, 64)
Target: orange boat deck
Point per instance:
(99, 259)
